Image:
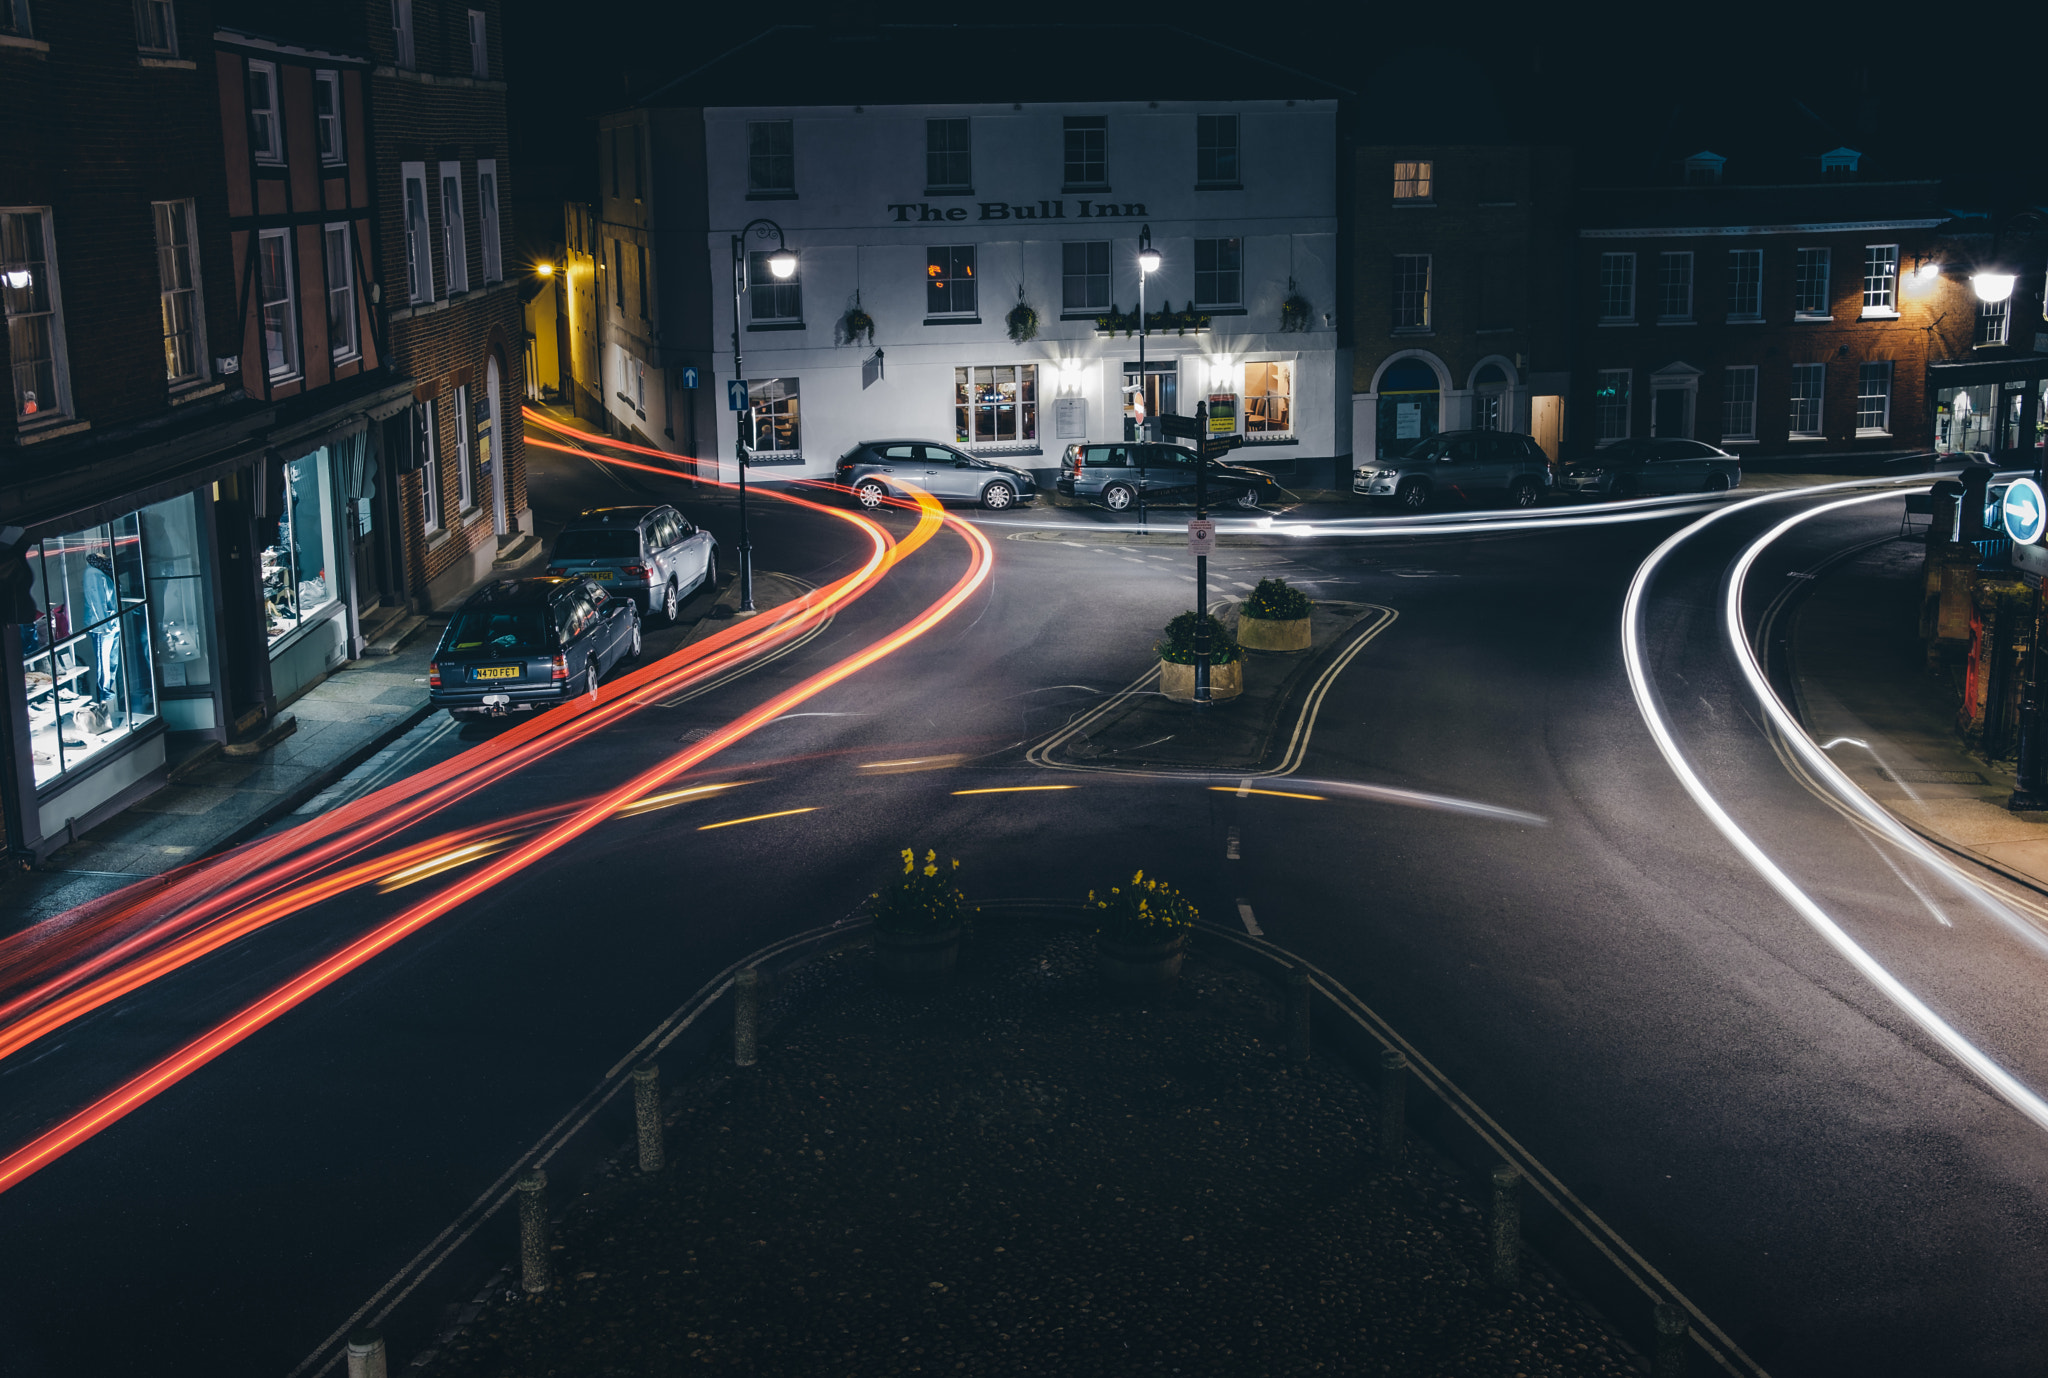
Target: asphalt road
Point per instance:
(1614, 985)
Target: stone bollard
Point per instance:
(1393, 1104)
(534, 1260)
(1507, 1229)
(1298, 994)
(1673, 1331)
(647, 1114)
(746, 1015)
(366, 1354)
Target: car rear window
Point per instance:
(598, 545)
(503, 631)
(1113, 456)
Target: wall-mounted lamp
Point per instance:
(1992, 286)
(544, 269)
(1928, 271)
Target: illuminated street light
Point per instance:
(1992, 286)
(782, 266)
(782, 262)
(1929, 271)
(544, 269)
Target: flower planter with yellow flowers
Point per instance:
(1140, 935)
(1274, 618)
(1177, 661)
(1178, 681)
(917, 925)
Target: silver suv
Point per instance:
(653, 555)
(1462, 464)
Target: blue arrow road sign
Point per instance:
(2025, 511)
(735, 394)
(689, 377)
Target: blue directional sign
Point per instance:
(2024, 512)
(735, 394)
(689, 377)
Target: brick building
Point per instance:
(1988, 365)
(1767, 285)
(1460, 248)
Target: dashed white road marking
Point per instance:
(1244, 788)
(1251, 924)
(1230, 846)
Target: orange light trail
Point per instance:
(139, 1090)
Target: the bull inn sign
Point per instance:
(923, 211)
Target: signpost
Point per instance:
(689, 377)
(2023, 511)
(1176, 427)
(1201, 424)
(1216, 446)
(735, 394)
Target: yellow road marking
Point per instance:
(1240, 791)
(1015, 789)
(755, 819)
(675, 796)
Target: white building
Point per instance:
(937, 221)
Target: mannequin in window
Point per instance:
(102, 606)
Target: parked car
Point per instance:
(1116, 474)
(1463, 464)
(653, 555)
(876, 470)
(521, 644)
(1629, 468)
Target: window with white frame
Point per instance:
(327, 116)
(1411, 291)
(156, 28)
(1745, 284)
(465, 479)
(1617, 287)
(35, 319)
(1809, 382)
(426, 449)
(948, 155)
(14, 18)
(1874, 398)
(1219, 272)
(1881, 280)
(1085, 149)
(177, 270)
(770, 299)
(639, 372)
(995, 404)
(280, 308)
(479, 50)
(1216, 151)
(487, 220)
(266, 132)
(1084, 275)
(1674, 286)
(773, 418)
(454, 233)
(1414, 181)
(771, 157)
(949, 280)
(1269, 398)
(1994, 321)
(419, 243)
(401, 32)
(1810, 285)
(1611, 404)
(339, 243)
(1738, 402)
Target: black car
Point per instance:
(1118, 473)
(522, 644)
(870, 471)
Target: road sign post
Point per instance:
(1200, 424)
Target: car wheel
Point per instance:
(1717, 483)
(633, 646)
(590, 679)
(1525, 493)
(1118, 497)
(1249, 499)
(1413, 494)
(998, 496)
(710, 572)
(669, 604)
(870, 494)
(1624, 487)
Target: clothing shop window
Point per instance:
(35, 323)
(949, 281)
(401, 32)
(341, 293)
(1966, 419)
(995, 404)
(1874, 398)
(1674, 287)
(1611, 404)
(948, 156)
(1745, 284)
(179, 603)
(487, 220)
(298, 579)
(86, 657)
(1085, 140)
(465, 474)
(266, 134)
(770, 298)
(1269, 398)
(419, 250)
(1808, 382)
(178, 284)
(1219, 272)
(479, 48)
(1411, 291)
(426, 449)
(1617, 287)
(1810, 285)
(1414, 182)
(771, 157)
(454, 232)
(1738, 402)
(1084, 276)
(1881, 280)
(1216, 154)
(1994, 322)
(773, 420)
(156, 28)
(327, 116)
(280, 306)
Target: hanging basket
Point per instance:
(1023, 323)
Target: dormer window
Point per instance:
(1838, 165)
(1703, 169)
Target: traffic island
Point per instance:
(1258, 731)
(1022, 1174)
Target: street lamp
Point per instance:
(782, 264)
(1993, 286)
(1148, 264)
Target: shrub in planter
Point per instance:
(1274, 618)
(1177, 660)
(1141, 933)
(917, 924)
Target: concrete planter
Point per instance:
(1178, 681)
(917, 961)
(1262, 634)
(1140, 968)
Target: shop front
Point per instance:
(310, 505)
(1997, 409)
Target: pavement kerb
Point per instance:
(1582, 1252)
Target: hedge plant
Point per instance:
(1178, 646)
(1276, 600)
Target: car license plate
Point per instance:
(603, 576)
(497, 672)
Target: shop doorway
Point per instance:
(1546, 423)
(1161, 387)
(1408, 407)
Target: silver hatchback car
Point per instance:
(870, 471)
(1460, 464)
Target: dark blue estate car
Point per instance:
(522, 644)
